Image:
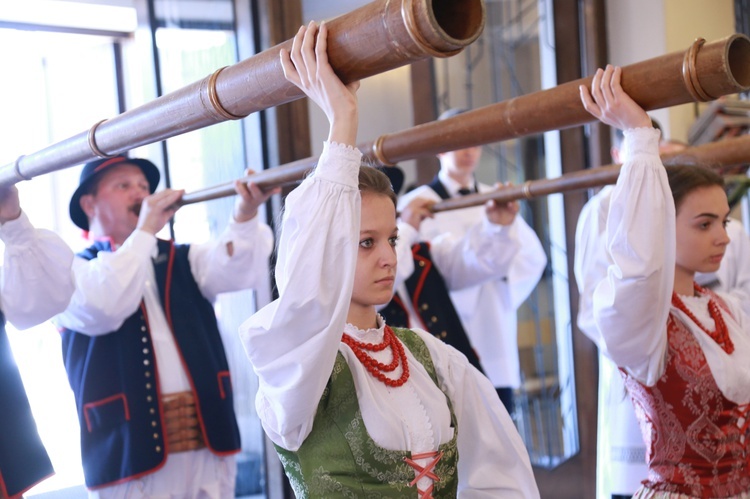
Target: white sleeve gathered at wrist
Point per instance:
(335, 164)
(35, 279)
(495, 229)
(337, 145)
(18, 231)
(247, 227)
(632, 302)
(293, 342)
(407, 233)
(140, 242)
(640, 141)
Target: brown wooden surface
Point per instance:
(291, 120)
(560, 105)
(424, 107)
(484, 125)
(286, 137)
(727, 152)
(723, 67)
(577, 477)
(375, 38)
(595, 55)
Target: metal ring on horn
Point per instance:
(377, 151)
(17, 169)
(407, 14)
(213, 97)
(526, 190)
(92, 142)
(690, 75)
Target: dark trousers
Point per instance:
(506, 397)
(621, 496)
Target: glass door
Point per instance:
(54, 85)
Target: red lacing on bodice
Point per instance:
(742, 412)
(425, 471)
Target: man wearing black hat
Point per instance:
(35, 284)
(140, 340)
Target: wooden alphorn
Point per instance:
(704, 72)
(375, 38)
(720, 68)
(727, 152)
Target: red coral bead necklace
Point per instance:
(721, 334)
(376, 368)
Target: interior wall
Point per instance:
(635, 32)
(643, 29)
(687, 20)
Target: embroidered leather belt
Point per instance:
(182, 427)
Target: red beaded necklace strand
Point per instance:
(721, 334)
(377, 369)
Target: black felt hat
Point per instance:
(395, 175)
(93, 169)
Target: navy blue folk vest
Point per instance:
(115, 383)
(23, 459)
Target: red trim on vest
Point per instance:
(168, 315)
(20, 494)
(397, 300)
(422, 279)
(161, 417)
(223, 374)
(168, 289)
(103, 401)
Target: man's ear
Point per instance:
(87, 204)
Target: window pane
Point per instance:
(505, 63)
(64, 83)
(192, 42)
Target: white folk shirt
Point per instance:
(591, 261)
(35, 281)
(621, 452)
(293, 342)
(488, 310)
(109, 288)
(631, 305)
(485, 253)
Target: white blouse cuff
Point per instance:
(141, 243)
(408, 234)
(18, 231)
(339, 163)
(642, 140)
(245, 228)
(494, 229)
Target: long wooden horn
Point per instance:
(703, 72)
(375, 38)
(727, 152)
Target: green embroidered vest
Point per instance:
(340, 460)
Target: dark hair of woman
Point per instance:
(684, 179)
